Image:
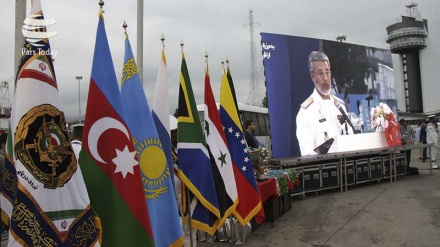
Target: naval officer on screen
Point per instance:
(321, 116)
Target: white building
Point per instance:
(417, 65)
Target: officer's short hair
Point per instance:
(77, 132)
(317, 56)
(248, 123)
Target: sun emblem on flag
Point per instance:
(153, 165)
(42, 146)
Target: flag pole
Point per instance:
(188, 203)
(162, 38)
(20, 15)
(207, 72)
(188, 208)
(140, 39)
(206, 61)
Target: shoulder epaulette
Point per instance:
(307, 102)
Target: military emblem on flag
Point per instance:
(45, 195)
(41, 144)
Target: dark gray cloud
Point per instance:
(216, 27)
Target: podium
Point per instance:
(358, 142)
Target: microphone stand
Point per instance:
(344, 120)
(344, 117)
(369, 98)
(347, 100)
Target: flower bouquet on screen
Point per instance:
(383, 119)
(379, 115)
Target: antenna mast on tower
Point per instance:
(254, 91)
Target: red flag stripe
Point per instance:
(34, 74)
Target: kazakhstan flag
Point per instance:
(156, 176)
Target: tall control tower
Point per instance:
(418, 60)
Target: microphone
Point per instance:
(344, 115)
(358, 103)
(370, 97)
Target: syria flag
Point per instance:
(108, 158)
(221, 163)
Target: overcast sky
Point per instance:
(216, 27)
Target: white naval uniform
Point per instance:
(317, 121)
(76, 146)
(432, 137)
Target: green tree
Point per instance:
(264, 102)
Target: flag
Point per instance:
(9, 180)
(161, 112)
(8, 189)
(248, 195)
(108, 158)
(8, 195)
(46, 198)
(156, 176)
(194, 165)
(220, 156)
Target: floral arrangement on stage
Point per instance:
(383, 119)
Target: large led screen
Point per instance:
(361, 76)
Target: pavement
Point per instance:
(405, 213)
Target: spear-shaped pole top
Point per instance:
(162, 38)
(124, 25)
(181, 45)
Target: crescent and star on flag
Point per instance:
(125, 159)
